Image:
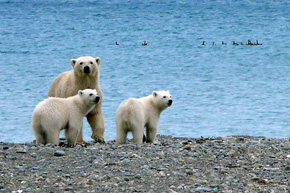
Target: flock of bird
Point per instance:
(236, 44)
(214, 44)
(143, 44)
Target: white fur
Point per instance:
(54, 114)
(69, 83)
(135, 114)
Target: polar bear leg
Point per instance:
(138, 134)
(96, 120)
(80, 137)
(38, 131)
(52, 137)
(40, 138)
(121, 135)
(121, 130)
(150, 134)
(71, 135)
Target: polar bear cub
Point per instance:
(135, 114)
(54, 114)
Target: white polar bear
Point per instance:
(135, 114)
(54, 114)
(84, 75)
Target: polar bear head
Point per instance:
(89, 96)
(162, 99)
(86, 65)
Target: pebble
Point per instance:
(127, 179)
(59, 153)
(213, 185)
(69, 188)
(21, 151)
(18, 167)
(187, 147)
(145, 167)
(201, 189)
(67, 176)
(34, 155)
(222, 164)
(138, 176)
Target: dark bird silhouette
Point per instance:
(249, 43)
(203, 43)
(234, 43)
(223, 43)
(116, 43)
(258, 43)
(144, 44)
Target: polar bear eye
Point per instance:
(91, 62)
(164, 96)
(91, 94)
(81, 63)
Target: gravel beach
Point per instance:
(221, 164)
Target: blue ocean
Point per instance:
(217, 90)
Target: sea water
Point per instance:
(217, 90)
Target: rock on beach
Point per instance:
(171, 164)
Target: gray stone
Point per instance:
(145, 167)
(224, 165)
(21, 151)
(201, 189)
(69, 188)
(138, 176)
(18, 167)
(67, 176)
(59, 153)
(127, 179)
(34, 155)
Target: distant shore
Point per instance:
(221, 164)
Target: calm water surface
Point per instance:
(217, 90)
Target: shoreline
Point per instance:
(171, 164)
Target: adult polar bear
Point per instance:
(135, 114)
(85, 74)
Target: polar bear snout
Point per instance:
(87, 69)
(170, 102)
(97, 99)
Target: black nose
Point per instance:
(87, 69)
(97, 99)
(170, 102)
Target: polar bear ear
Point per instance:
(154, 93)
(98, 60)
(80, 92)
(73, 62)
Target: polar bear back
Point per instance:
(131, 113)
(61, 86)
(54, 110)
(135, 112)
